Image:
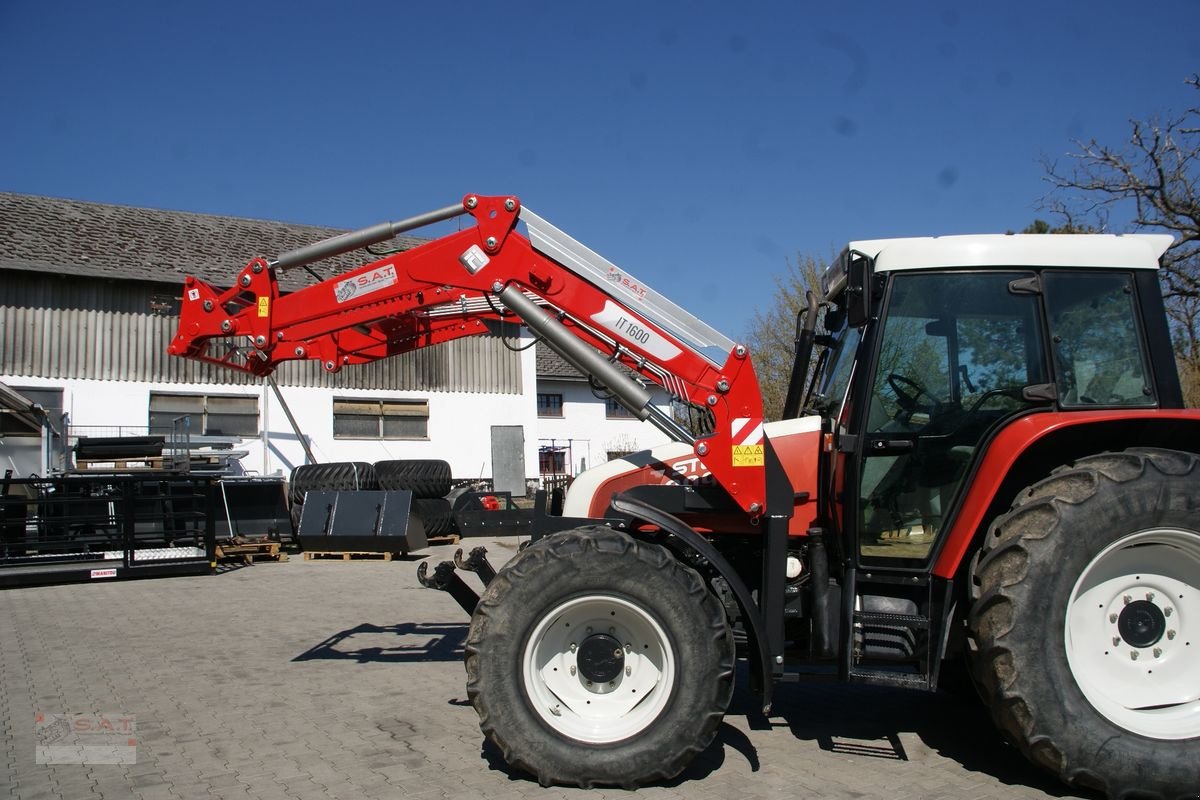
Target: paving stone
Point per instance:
(315, 680)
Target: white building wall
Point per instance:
(585, 430)
(459, 423)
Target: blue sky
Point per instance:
(700, 145)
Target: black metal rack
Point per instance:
(84, 527)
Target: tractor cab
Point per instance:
(958, 337)
(933, 347)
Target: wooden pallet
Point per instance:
(110, 464)
(449, 538)
(327, 555)
(250, 552)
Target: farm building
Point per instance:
(89, 296)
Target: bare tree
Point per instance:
(772, 331)
(1157, 171)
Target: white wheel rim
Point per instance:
(574, 706)
(1148, 687)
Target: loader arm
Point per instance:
(588, 310)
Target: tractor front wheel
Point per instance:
(1087, 627)
(594, 658)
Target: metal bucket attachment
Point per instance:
(363, 521)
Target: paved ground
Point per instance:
(325, 679)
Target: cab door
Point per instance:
(954, 355)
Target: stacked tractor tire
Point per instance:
(428, 479)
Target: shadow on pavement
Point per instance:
(862, 721)
(713, 756)
(868, 721)
(403, 642)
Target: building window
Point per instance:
(549, 405)
(355, 418)
(209, 414)
(614, 410)
(552, 461)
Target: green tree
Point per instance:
(1157, 171)
(771, 334)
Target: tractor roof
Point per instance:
(1126, 251)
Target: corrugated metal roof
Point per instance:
(106, 345)
(57, 325)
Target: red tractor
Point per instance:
(987, 467)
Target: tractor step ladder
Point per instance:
(915, 637)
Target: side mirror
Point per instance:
(858, 289)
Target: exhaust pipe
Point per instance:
(806, 325)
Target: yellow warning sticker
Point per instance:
(748, 455)
(264, 306)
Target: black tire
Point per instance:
(336, 476)
(597, 564)
(425, 478)
(435, 515)
(1031, 569)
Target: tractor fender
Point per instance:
(1026, 449)
(681, 540)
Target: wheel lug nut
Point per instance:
(1133, 654)
(589, 683)
(572, 670)
(1157, 652)
(574, 647)
(1170, 634)
(1168, 612)
(1126, 600)
(1112, 617)
(628, 671)
(1116, 641)
(589, 630)
(611, 631)
(628, 647)
(1150, 595)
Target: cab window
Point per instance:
(1098, 355)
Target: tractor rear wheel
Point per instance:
(594, 658)
(1087, 627)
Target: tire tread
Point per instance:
(1025, 533)
(425, 478)
(573, 544)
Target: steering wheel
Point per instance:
(907, 399)
(1015, 392)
